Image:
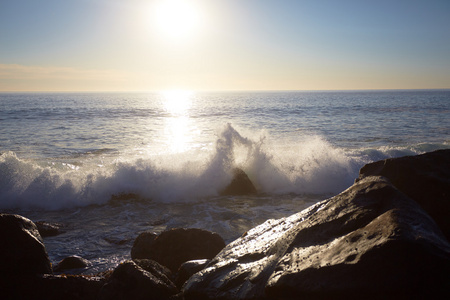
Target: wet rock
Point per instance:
(71, 262)
(130, 281)
(120, 198)
(22, 251)
(424, 178)
(155, 268)
(240, 185)
(188, 269)
(173, 247)
(47, 229)
(117, 241)
(142, 245)
(370, 241)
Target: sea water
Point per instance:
(108, 166)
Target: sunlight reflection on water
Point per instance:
(179, 128)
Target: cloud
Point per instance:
(20, 72)
(15, 77)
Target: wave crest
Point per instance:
(313, 166)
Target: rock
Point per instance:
(155, 268)
(174, 247)
(71, 262)
(116, 241)
(370, 241)
(424, 178)
(22, 251)
(240, 185)
(188, 269)
(47, 229)
(118, 199)
(70, 287)
(130, 281)
(142, 245)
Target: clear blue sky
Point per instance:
(91, 45)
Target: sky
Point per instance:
(221, 45)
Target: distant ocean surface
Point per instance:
(64, 155)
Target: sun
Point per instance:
(177, 20)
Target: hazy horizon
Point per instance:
(222, 91)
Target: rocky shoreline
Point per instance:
(385, 237)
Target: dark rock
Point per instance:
(240, 185)
(370, 241)
(71, 262)
(424, 178)
(22, 251)
(116, 241)
(130, 281)
(188, 269)
(47, 229)
(155, 268)
(120, 198)
(71, 287)
(174, 247)
(142, 245)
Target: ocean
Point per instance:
(108, 166)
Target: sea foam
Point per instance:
(312, 166)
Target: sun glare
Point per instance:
(177, 20)
(177, 102)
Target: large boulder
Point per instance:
(131, 281)
(173, 247)
(68, 287)
(239, 185)
(370, 241)
(22, 251)
(424, 178)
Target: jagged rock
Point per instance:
(142, 245)
(188, 269)
(130, 281)
(173, 247)
(370, 241)
(47, 229)
(71, 262)
(424, 178)
(22, 251)
(155, 268)
(240, 185)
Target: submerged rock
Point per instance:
(47, 229)
(130, 281)
(369, 241)
(173, 247)
(120, 198)
(71, 262)
(240, 185)
(424, 178)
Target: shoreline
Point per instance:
(408, 188)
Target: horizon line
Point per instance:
(225, 91)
